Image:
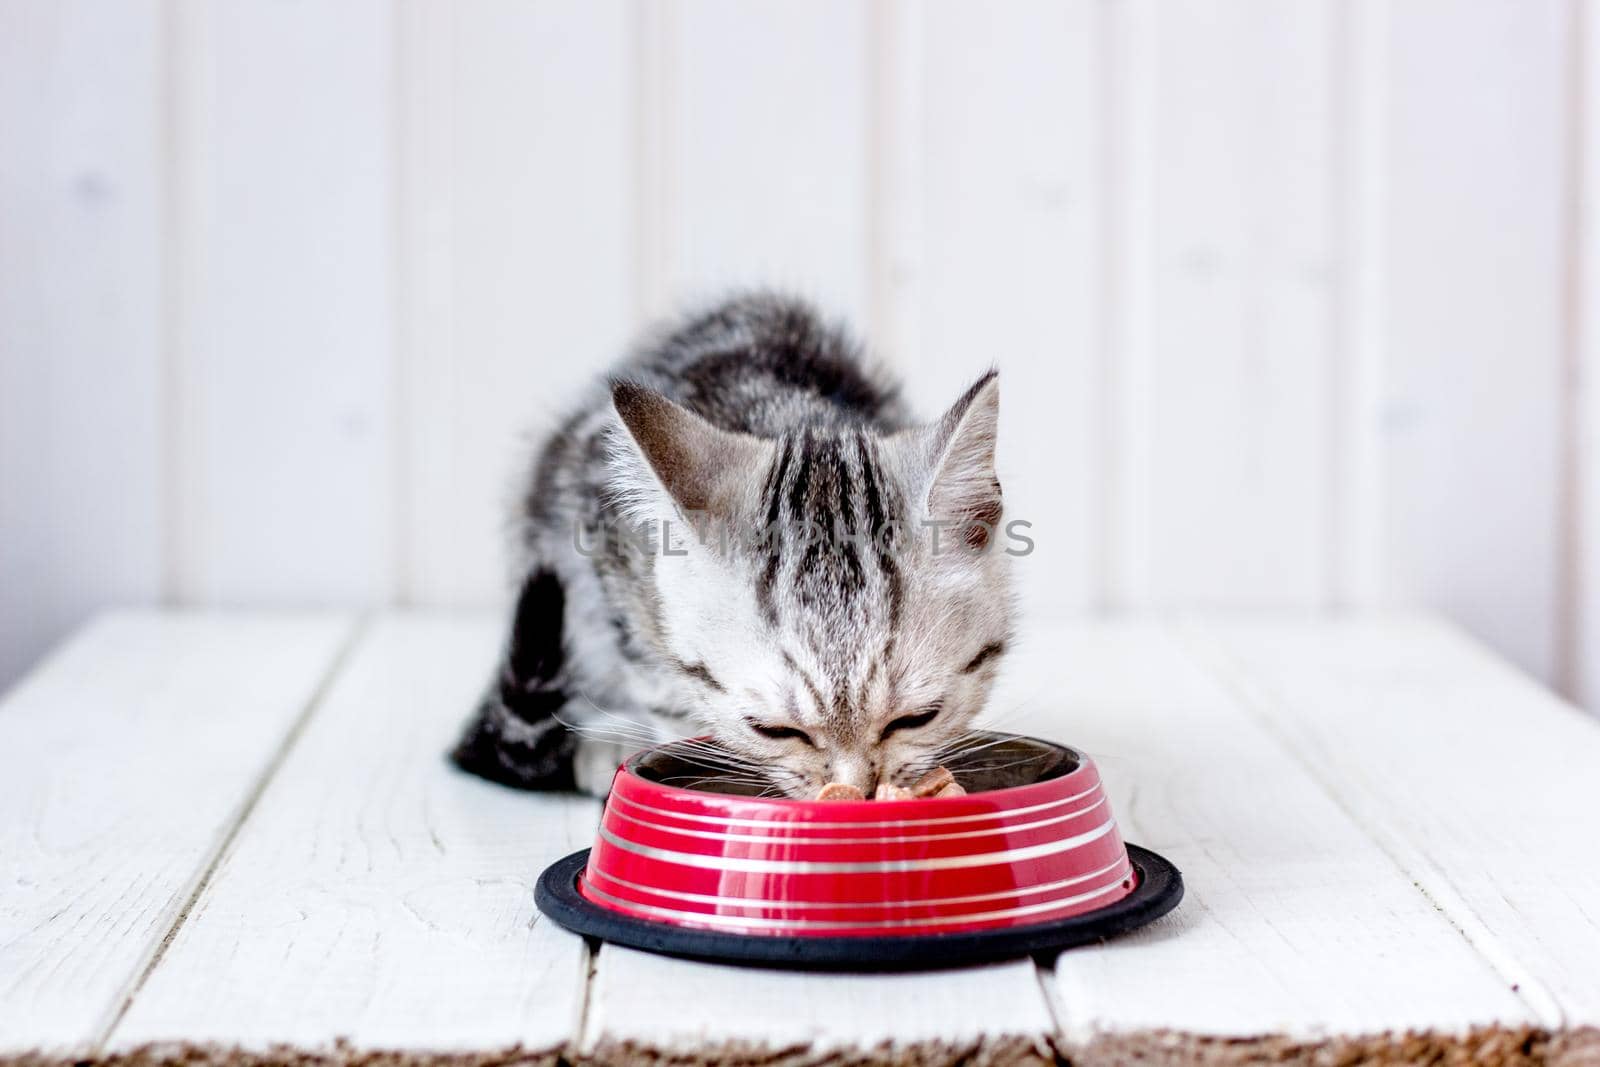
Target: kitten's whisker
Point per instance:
(724, 759)
(697, 783)
(628, 730)
(964, 750)
(713, 764)
(707, 758)
(744, 778)
(602, 733)
(1000, 766)
(631, 721)
(616, 725)
(694, 783)
(600, 730)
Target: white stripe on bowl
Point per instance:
(932, 863)
(1122, 866)
(828, 924)
(712, 835)
(728, 820)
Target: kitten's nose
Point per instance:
(856, 771)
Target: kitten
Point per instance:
(790, 602)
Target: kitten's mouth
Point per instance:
(986, 762)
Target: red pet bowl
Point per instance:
(1029, 861)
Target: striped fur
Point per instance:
(799, 609)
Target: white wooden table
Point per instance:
(235, 838)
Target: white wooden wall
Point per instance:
(1293, 302)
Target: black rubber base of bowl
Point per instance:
(1159, 890)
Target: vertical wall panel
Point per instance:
(1282, 294)
(1360, 55)
(1232, 397)
(1001, 268)
(765, 166)
(519, 222)
(1127, 165)
(1583, 325)
(1474, 216)
(80, 316)
(284, 256)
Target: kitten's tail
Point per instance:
(514, 736)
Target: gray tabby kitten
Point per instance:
(792, 601)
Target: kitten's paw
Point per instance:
(528, 748)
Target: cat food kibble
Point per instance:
(934, 782)
(938, 782)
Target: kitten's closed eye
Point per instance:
(781, 733)
(912, 721)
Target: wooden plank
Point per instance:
(518, 186)
(1479, 782)
(1294, 922)
(1002, 269)
(378, 894)
(282, 212)
(1475, 235)
(645, 1006)
(1230, 276)
(765, 168)
(125, 761)
(80, 316)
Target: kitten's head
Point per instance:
(817, 655)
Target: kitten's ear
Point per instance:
(964, 488)
(704, 469)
